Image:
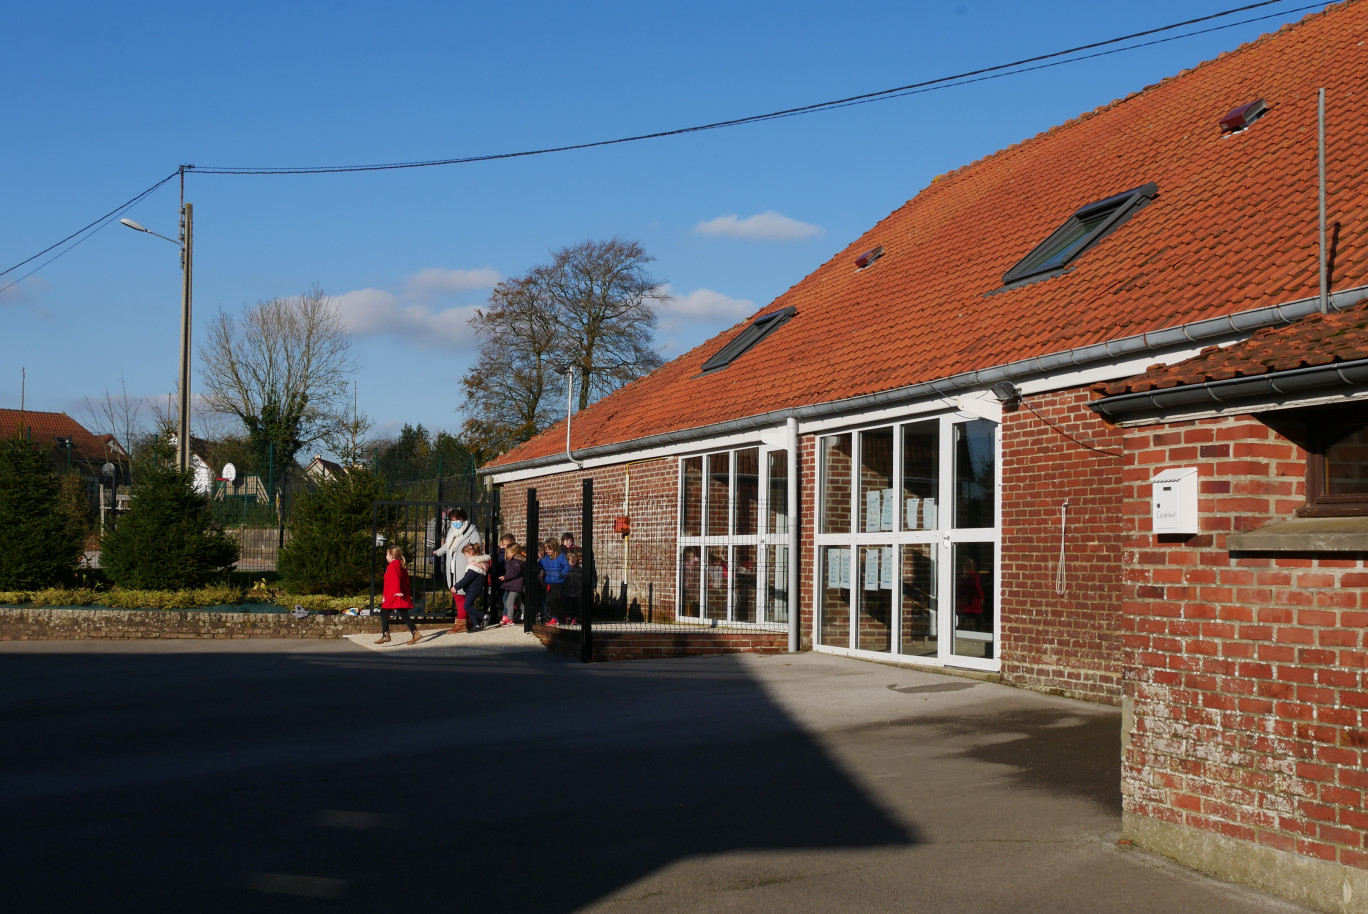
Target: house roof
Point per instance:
(1320, 339)
(320, 464)
(1232, 228)
(44, 428)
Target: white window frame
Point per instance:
(943, 540)
(731, 539)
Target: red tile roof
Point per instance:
(1321, 339)
(43, 428)
(1233, 228)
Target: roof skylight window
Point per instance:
(760, 328)
(1084, 228)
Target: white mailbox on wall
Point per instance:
(1173, 505)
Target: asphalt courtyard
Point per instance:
(479, 772)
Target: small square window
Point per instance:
(1083, 229)
(1337, 462)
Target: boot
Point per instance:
(383, 639)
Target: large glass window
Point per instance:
(719, 493)
(974, 572)
(733, 555)
(919, 622)
(876, 480)
(834, 596)
(907, 540)
(875, 629)
(835, 488)
(975, 473)
(748, 492)
(920, 474)
(777, 516)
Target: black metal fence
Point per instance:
(420, 527)
(254, 516)
(640, 580)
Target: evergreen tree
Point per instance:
(330, 543)
(168, 539)
(39, 539)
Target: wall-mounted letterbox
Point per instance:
(1173, 495)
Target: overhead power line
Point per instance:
(998, 71)
(942, 82)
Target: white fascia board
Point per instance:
(774, 437)
(1114, 371)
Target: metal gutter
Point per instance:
(1208, 330)
(1232, 391)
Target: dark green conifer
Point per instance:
(168, 539)
(40, 540)
(330, 545)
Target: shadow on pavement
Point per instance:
(1050, 749)
(331, 780)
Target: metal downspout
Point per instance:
(794, 577)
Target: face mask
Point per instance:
(458, 524)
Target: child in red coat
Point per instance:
(398, 595)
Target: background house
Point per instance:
(67, 443)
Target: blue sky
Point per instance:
(104, 100)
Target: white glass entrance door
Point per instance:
(907, 541)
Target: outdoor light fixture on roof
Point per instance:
(1085, 228)
(1241, 117)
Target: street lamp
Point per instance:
(186, 245)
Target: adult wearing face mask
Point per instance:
(460, 534)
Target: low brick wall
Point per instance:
(611, 644)
(46, 624)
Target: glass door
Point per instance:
(908, 539)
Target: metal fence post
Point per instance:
(533, 594)
(588, 575)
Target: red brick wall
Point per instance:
(647, 645)
(647, 493)
(1066, 643)
(1245, 671)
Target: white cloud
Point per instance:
(436, 280)
(415, 314)
(686, 320)
(768, 226)
(375, 312)
(23, 291)
(702, 306)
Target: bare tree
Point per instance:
(604, 299)
(507, 390)
(118, 416)
(282, 368)
(592, 308)
(348, 440)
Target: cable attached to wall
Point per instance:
(1078, 441)
(1063, 527)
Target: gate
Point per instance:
(420, 527)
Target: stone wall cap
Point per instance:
(1305, 534)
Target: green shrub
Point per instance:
(168, 539)
(40, 541)
(318, 602)
(330, 546)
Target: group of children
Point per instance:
(560, 572)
